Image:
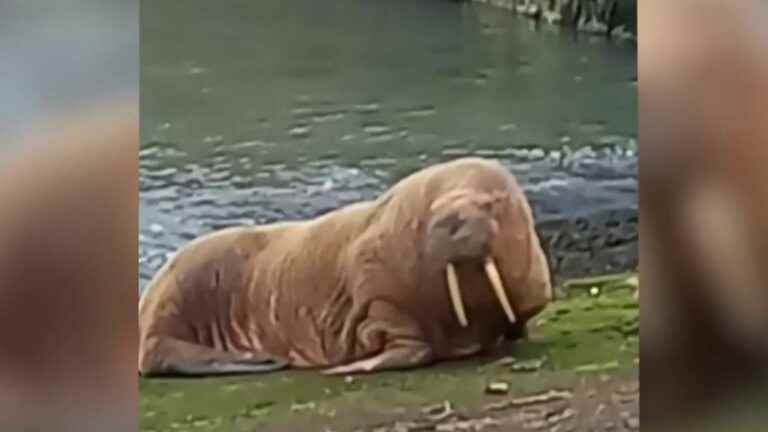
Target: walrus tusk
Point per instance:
(498, 288)
(455, 293)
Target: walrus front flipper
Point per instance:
(409, 354)
(394, 338)
(168, 356)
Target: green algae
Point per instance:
(580, 333)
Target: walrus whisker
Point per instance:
(455, 294)
(498, 288)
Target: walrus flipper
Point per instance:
(394, 338)
(179, 357)
(406, 356)
(231, 367)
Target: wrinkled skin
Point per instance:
(360, 289)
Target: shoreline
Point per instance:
(612, 18)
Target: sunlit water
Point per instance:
(261, 111)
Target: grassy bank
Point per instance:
(585, 344)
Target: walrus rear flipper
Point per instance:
(227, 368)
(177, 357)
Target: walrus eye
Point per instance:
(451, 222)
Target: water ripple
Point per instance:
(584, 199)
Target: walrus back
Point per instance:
(235, 289)
(199, 275)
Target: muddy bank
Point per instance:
(577, 371)
(616, 18)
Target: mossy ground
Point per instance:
(593, 331)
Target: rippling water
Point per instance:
(255, 112)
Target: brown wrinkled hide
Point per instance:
(363, 286)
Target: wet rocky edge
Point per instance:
(584, 199)
(613, 18)
(578, 370)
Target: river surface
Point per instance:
(261, 111)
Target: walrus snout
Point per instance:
(461, 233)
(473, 239)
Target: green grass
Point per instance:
(589, 331)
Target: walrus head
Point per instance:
(469, 225)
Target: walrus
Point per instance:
(440, 266)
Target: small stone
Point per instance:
(597, 367)
(296, 406)
(632, 423)
(632, 387)
(506, 361)
(497, 387)
(532, 365)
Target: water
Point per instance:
(260, 111)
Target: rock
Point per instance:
(552, 17)
(505, 361)
(632, 423)
(615, 18)
(298, 406)
(497, 387)
(532, 365)
(597, 367)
